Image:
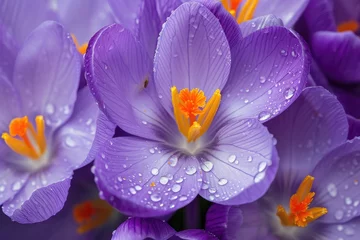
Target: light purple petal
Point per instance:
(238, 166)
(11, 180)
(354, 127)
(119, 74)
(288, 11)
(143, 228)
(146, 178)
(258, 23)
(75, 138)
(268, 72)
(30, 206)
(319, 16)
(8, 49)
(21, 17)
(165, 7)
(104, 131)
(218, 217)
(315, 124)
(338, 55)
(126, 12)
(84, 18)
(349, 230)
(338, 191)
(194, 234)
(192, 53)
(47, 74)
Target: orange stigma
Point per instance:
(246, 12)
(351, 25)
(91, 214)
(300, 215)
(192, 114)
(24, 140)
(81, 48)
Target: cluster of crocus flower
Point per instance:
(154, 104)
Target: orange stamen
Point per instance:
(81, 48)
(91, 214)
(300, 215)
(24, 140)
(351, 25)
(247, 11)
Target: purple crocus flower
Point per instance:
(182, 144)
(84, 216)
(147, 228)
(315, 194)
(47, 126)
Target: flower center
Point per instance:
(24, 140)
(192, 114)
(247, 11)
(91, 214)
(300, 215)
(81, 48)
(351, 25)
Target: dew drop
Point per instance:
(155, 197)
(144, 122)
(2, 188)
(93, 168)
(258, 177)
(16, 186)
(154, 171)
(190, 170)
(212, 190)
(182, 198)
(164, 180)
(262, 79)
(283, 53)
(207, 166)
(176, 188)
(232, 158)
(70, 142)
(138, 188)
(332, 190)
(263, 116)
(250, 158)
(289, 93)
(222, 181)
(132, 191)
(348, 201)
(173, 161)
(49, 108)
(151, 150)
(339, 214)
(262, 166)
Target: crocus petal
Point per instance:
(126, 12)
(218, 217)
(349, 96)
(349, 230)
(146, 178)
(119, 74)
(192, 53)
(31, 206)
(319, 16)
(143, 228)
(338, 191)
(346, 10)
(258, 23)
(104, 131)
(165, 7)
(289, 11)
(354, 127)
(193, 234)
(47, 74)
(267, 75)
(238, 166)
(84, 18)
(338, 54)
(74, 139)
(318, 124)
(11, 180)
(21, 17)
(8, 49)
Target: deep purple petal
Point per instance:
(30, 206)
(354, 127)
(338, 191)
(268, 72)
(346, 10)
(258, 23)
(146, 178)
(194, 234)
(21, 17)
(75, 138)
(349, 230)
(143, 228)
(8, 49)
(119, 74)
(311, 127)
(126, 12)
(238, 166)
(338, 55)
(104, 131)
(192, 53)
(318, 16)
(165, 7)
(84, 18)
(47, 74)
(288, 11)
(218, 217)
(349, 96)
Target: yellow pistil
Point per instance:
(24, 140)
(192, 114)
(91, 214)
(246, 12)
(81, 48)
(300, 215)
(351, 25)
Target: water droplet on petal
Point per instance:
(289, 93)
(262, 166)
(2, 188)
(138, 188)
(222, 181)
(263, 116)
(262, 79)
(190, 170)
(232, 158)
(182, 198)
(70, 142)
(164, 180)
(283, 53)
(332, 190)
(132, 191)
(154, 171)
(258, 177)
(250, 158)
(155, 197)
(176, 188)
(49, 108)
(16, 186)
(339, 214)
(207, 166)
(173, 161)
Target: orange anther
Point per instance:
(351, 25)
(81, 48)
